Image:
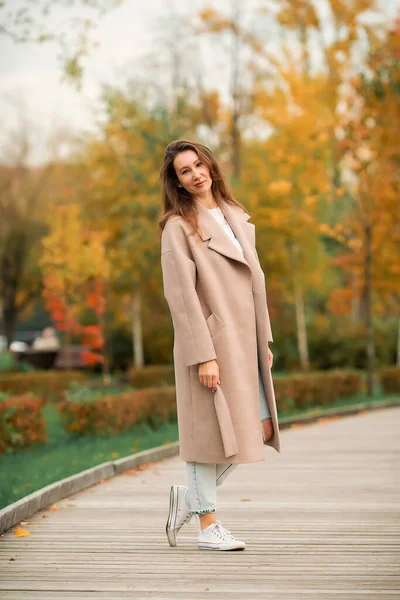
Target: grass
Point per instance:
(64, 454)
(354, 401)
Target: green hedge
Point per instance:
(89, 413)
(318, 388)
(151, 376)
(85, 411)
(390, 380)
(21, 422)
(47, 385)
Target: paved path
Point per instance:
(321, 520)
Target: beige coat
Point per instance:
(218, 305)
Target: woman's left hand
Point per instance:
(270, 358)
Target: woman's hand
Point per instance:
(209, 374)
(270, 358)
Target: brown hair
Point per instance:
(176, 200)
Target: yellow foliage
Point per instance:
(280, 187)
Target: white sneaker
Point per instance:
(216, 537)
(178, 514)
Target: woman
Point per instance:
(215, 290)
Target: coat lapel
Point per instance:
(217, 238)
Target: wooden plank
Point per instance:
(320, 519)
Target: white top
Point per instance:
(220, 218)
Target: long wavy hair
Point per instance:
(176, 200)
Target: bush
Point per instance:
(152, 376)
(48, 385)
(390, 380)
(321, 388)
(98, 412)
(21, 422)
(9, 364)
(88, 412)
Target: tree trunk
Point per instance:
(301, 329)
(398, 344)
(137, 334)
(10, 314)
(369, 331)
(105, 367)
(355, 301)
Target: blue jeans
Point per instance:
(204, 478)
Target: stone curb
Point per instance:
(343, 411)
(45, 497)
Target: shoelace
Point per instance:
(224, 528)
(185, 520)
(223, 533)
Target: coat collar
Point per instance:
(217, 238)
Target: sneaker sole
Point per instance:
(170, 531)
(203, 547)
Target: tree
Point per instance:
(75, 269)
(371, 157)
(21, 227)
(122, 198)
(242, 75)
(35, 22)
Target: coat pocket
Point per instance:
(214, 324)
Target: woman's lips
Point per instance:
(199, 184)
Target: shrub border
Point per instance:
(42, 499)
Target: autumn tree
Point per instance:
(371, 160)
(123, 197)
(75, 269)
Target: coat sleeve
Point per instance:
(191, 332)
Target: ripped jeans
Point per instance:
(204, 478)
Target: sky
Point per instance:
(33, 95)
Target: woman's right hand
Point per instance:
(209, 374)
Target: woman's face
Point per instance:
(193, 174)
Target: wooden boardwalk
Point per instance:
(321, 520)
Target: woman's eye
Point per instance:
(199, 164)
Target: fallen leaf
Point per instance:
(25, 522)
(130, 472)
(71, 504)
(139, 468)
(20, 532)
(245, 500)
(12, 559)
(45, 516)
(54, 507)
